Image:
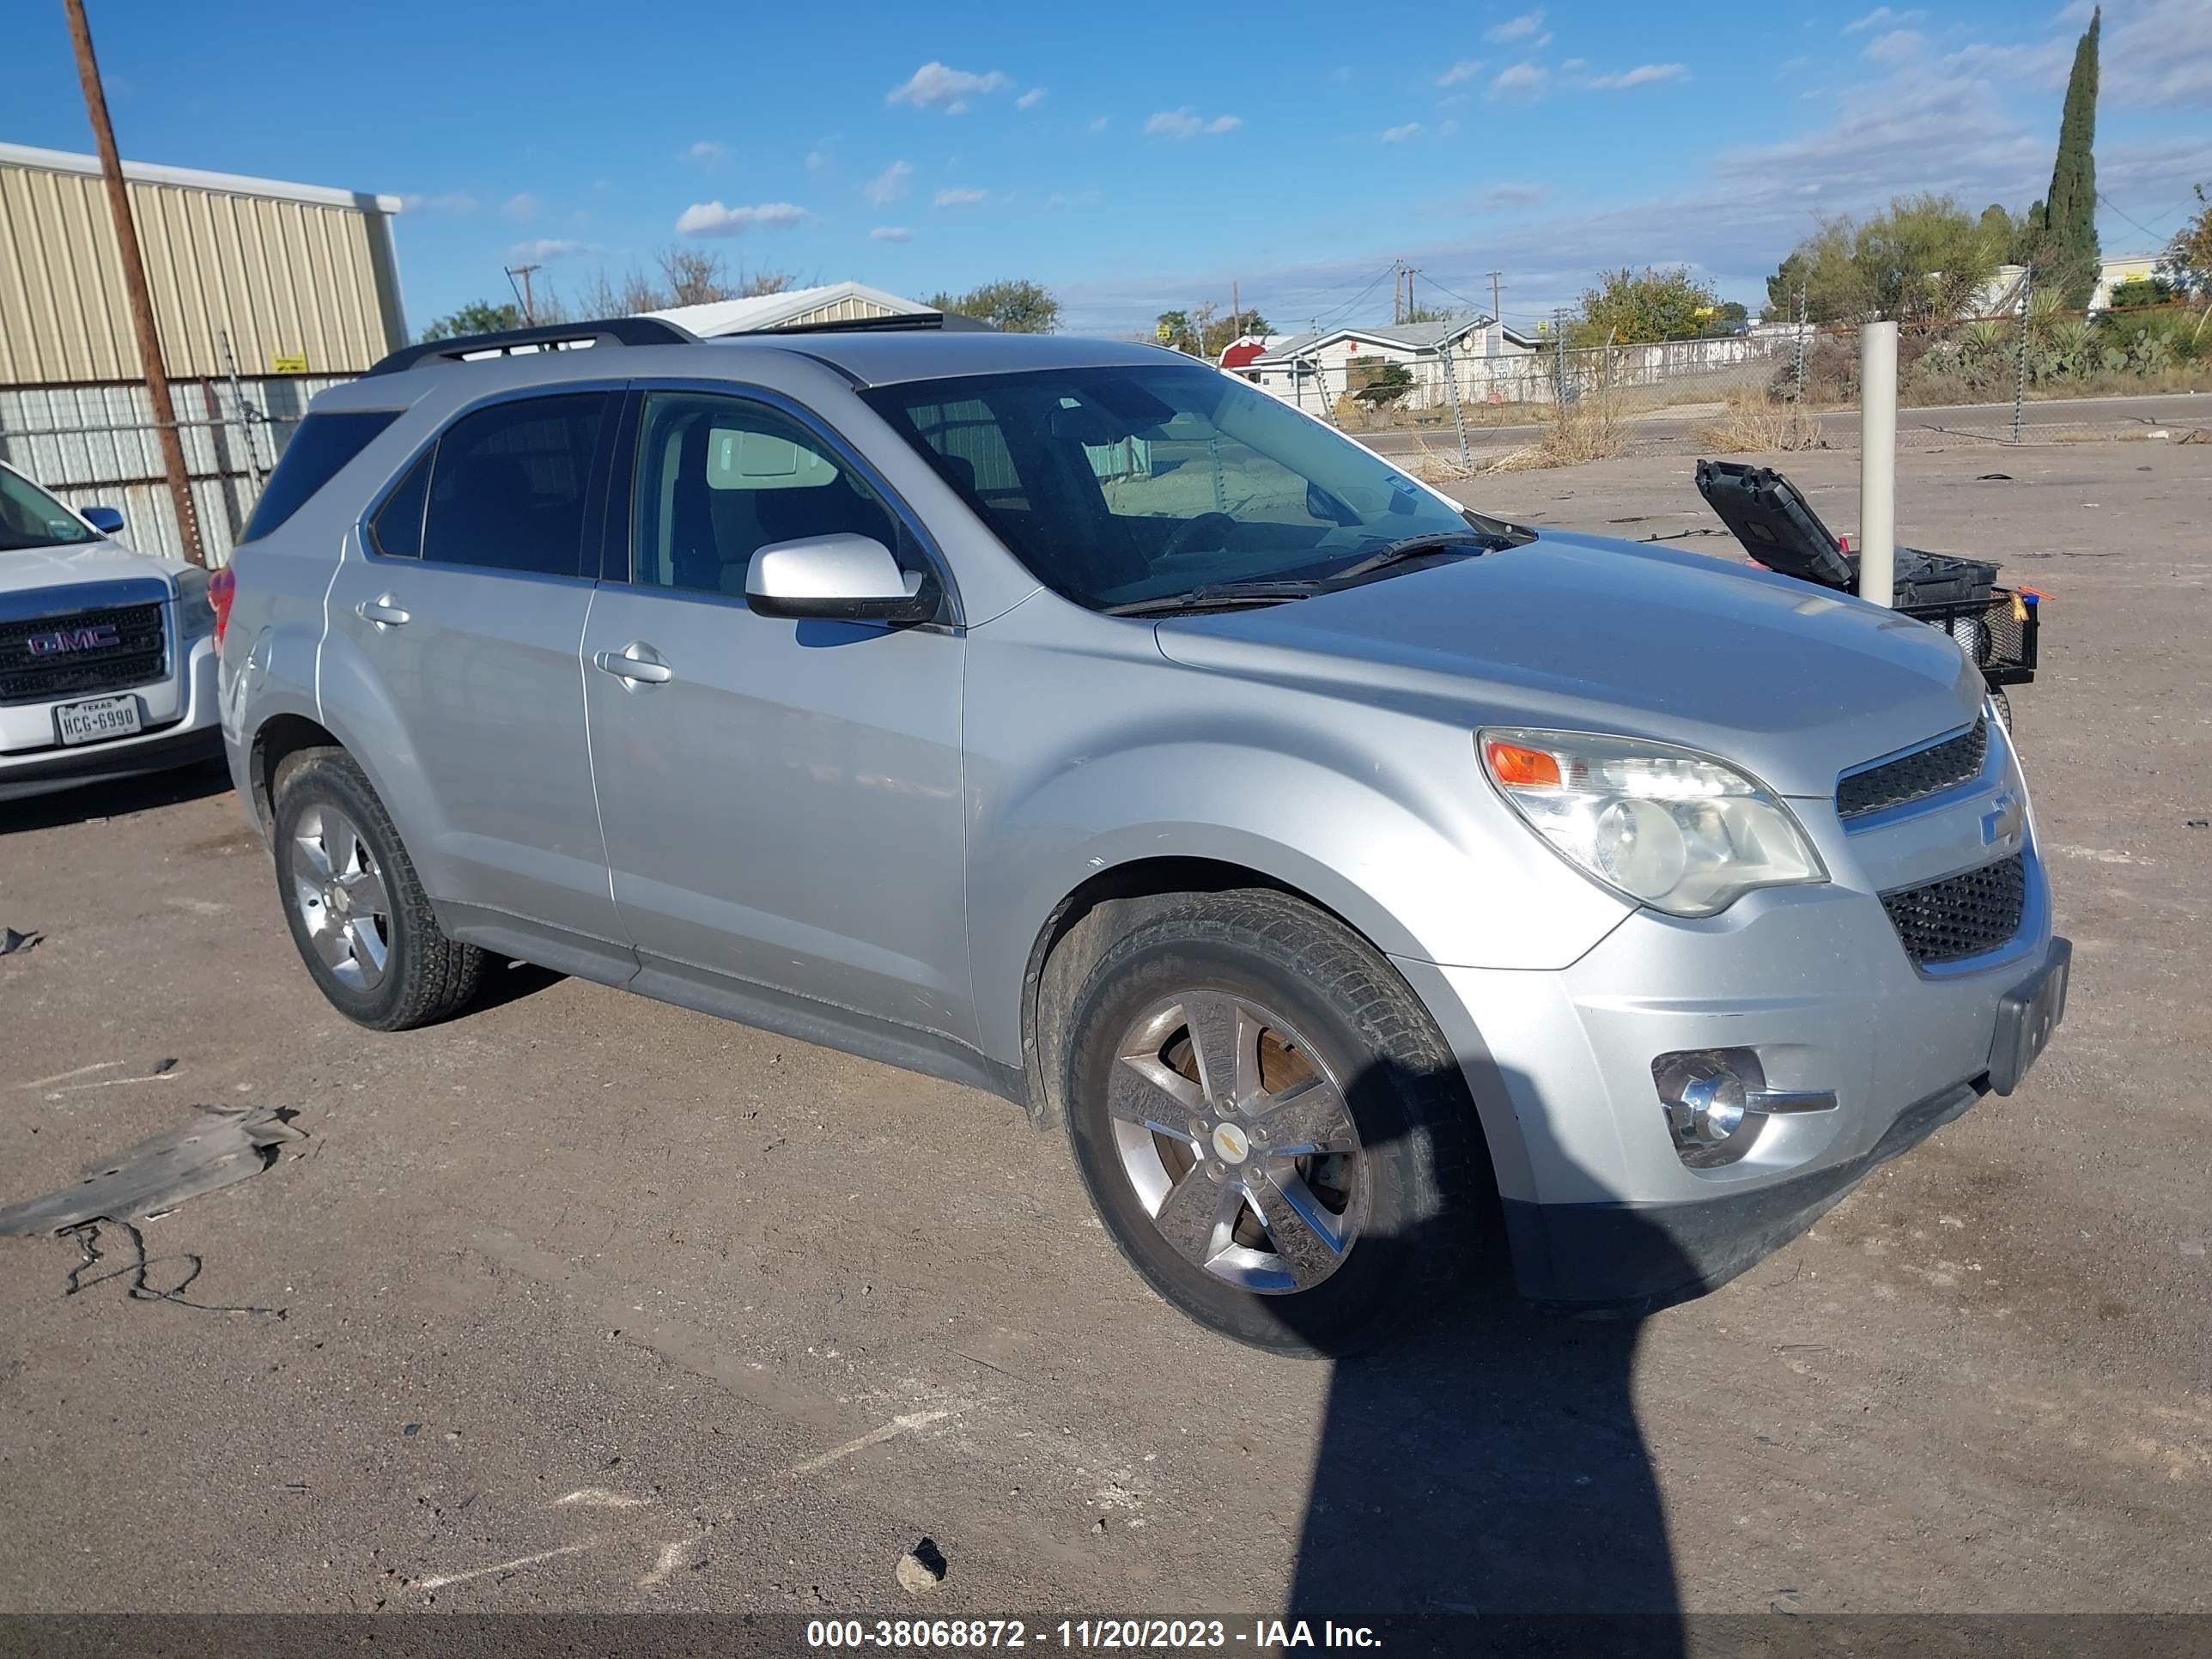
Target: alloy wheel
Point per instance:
(342, 897)
(1237, 1141)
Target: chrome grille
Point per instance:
(81, 654)
(1916, 776)
(1961, 915)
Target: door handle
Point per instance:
(636, 664)
(382, 611)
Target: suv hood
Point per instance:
(23, 569)
(1589, 634)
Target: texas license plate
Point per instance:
(2026, 1016)
(98, 720)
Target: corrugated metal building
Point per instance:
(829, 302)
(299, 283)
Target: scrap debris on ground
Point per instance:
(221, 1145)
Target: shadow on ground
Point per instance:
(1485, 1479)
(86, 802)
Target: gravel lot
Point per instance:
(591, 1303)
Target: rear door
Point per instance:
(781, 799)
(463, 613)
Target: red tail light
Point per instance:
(221, 589)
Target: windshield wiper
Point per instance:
(1221, 596)
(1415, 547)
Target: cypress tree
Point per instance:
(2070, 251)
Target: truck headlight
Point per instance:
(1671, 828)
(195, 612)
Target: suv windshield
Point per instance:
(1116, 486)
(31, 518)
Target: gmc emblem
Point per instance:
(62, 640)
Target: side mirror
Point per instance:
(105, 520)
(840, 579)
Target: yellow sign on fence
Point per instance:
(292, 364)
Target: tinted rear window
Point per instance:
(322, 446)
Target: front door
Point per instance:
(781, 799)
(462, 618)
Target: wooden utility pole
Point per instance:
(134, 283)
(529, 306)
(1496, 315)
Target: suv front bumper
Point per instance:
(1599, 1206)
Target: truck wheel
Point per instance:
(1269, 1124)
(359, 916)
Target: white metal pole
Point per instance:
(1877, 461)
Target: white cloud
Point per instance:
(941, 85)
(706, 153)
(1517, 29)
(1030, 99)
(1465, 69)
(547, 248)
(2157, 54)
(520, 208)
(1521, 77)
(1511, 195)
(1642, 75)
(962, 195)
(1099, 124)
(452, 201)
(712, 219)
(1574, 65)
(1445, 129)
(1398, 135)
(890, 185)
(890, 233)
(1881, 17)
(1897, 47)
(1188, 123)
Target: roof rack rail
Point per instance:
(896, 322)
(550, 337)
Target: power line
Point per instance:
(2137, 223)
(1352, 303)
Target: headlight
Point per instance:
(1670, 828)
(195, 612)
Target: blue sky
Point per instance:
(1135, 157)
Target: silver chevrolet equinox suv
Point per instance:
(1376, 891)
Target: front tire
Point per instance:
(1270, 1125)
(358, 914)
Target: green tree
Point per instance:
(2188, 261)
(2070, 251)
(481, 318)
(1823, 269)
(1631, 307)
(1014, 305)
(1924, 259)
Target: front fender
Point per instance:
(1414, 880)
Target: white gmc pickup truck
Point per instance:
(107, 664)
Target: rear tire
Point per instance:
(1269, 1124)
(357, 912)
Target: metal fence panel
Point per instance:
(98, 446)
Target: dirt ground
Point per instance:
(582, 1302)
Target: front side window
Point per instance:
(718, 478)
(316, 454)
(1115, 486)
(31, 518)
(507, 486)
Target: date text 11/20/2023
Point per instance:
(1087, 1635)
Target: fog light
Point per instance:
(1706, 1092)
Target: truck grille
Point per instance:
(1915, 776)
(1962, 915)
(82, 653)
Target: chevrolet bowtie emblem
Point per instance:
(2003, 823)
